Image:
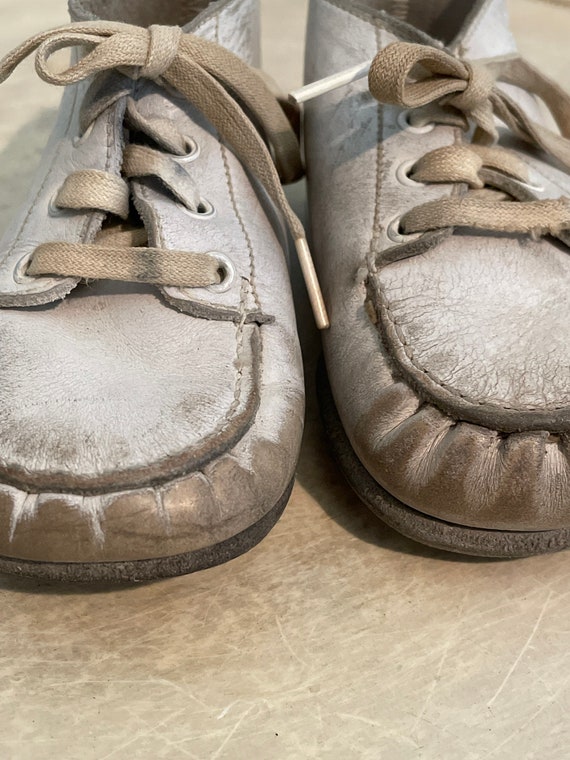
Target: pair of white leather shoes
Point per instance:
(151, 388)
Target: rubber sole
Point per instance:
(409, 522)
(151, 569)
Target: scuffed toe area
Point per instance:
(201, 510)
(110, 390)
(214, 501)
(463, 473)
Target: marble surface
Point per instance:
(335, 638)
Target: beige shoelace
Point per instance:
(218, 84)
(439, 88)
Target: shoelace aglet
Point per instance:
(312, 283)
(328, 84)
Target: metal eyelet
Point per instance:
(403, 174)
(20, 270)
(395, 234)
(227, 273)
(80, 139)
(205, 210)
(405, 124)
(533, 188)
(192, 154)
(53, 208)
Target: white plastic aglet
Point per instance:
(312, 284)
(328, 84)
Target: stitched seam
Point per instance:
(110, 131)
(226, 419)
(223, 152)
(217, 27)
(247, 238)
(453, 391)
(370, 262)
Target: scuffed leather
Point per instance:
(222, 183)
(132, 429)
(487, 33)
(145, 398)
(207, 506)
(235, 25)
(491, 352)
(38, 221)
(459, 406)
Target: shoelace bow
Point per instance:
(440, 88)
(222, 87)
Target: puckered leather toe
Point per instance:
(447, 356)
(152, 403)
(201, 509)
(461, 472)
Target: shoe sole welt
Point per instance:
(151, 569)
(416, 525)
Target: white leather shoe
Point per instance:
(151, 388)
(441, 222)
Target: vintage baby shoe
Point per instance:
(151, 389)
(439, 198)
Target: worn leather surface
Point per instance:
(133, 427)
(233, 202)
(39, 221)
(460, 405)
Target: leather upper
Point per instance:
(460, 404)
(172, 416)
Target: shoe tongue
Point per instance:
(167, 12)
(232, 23)
(486, 32)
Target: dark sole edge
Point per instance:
(426, 530)
(151, 569)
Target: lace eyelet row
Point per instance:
(205, 209)
(393, 229)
